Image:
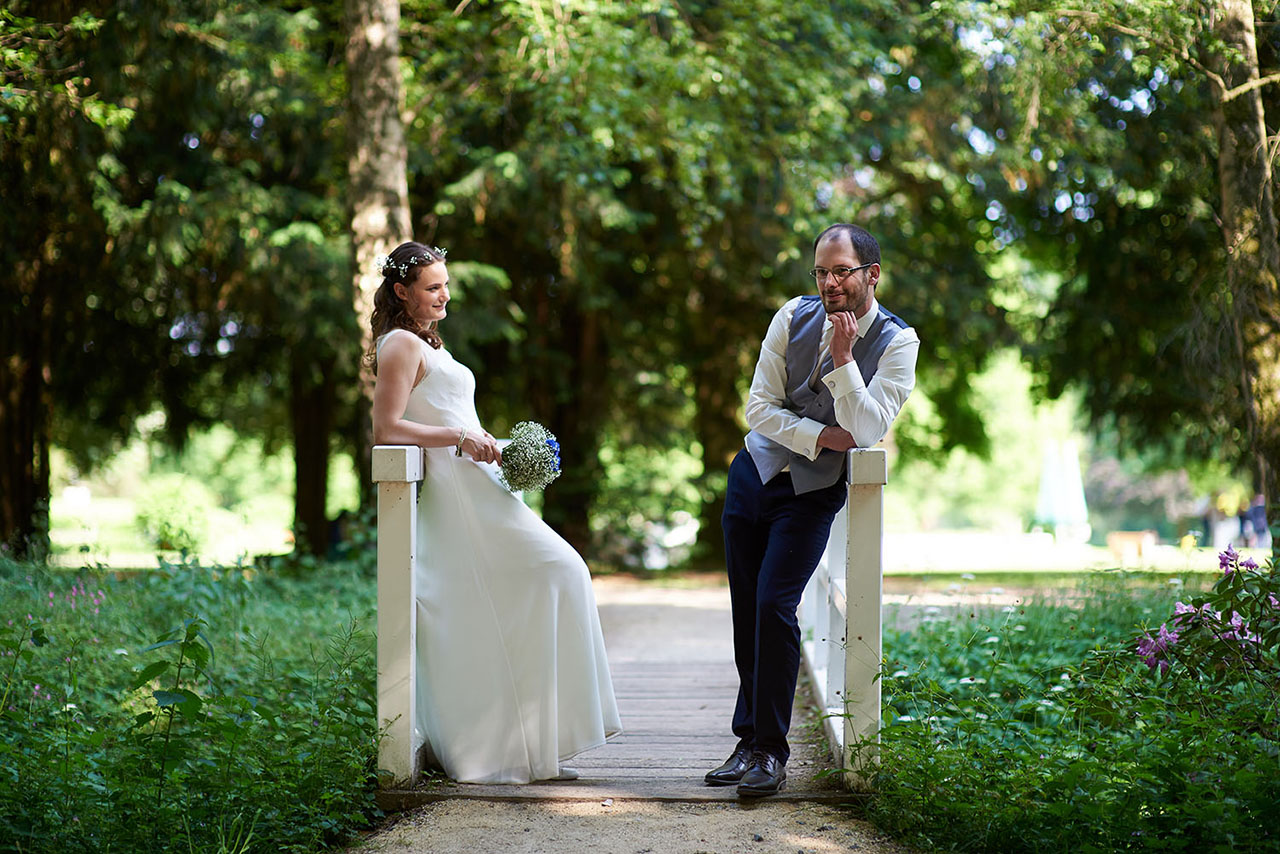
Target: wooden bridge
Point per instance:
(671, 653)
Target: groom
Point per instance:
(834, 371)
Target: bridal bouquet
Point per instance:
(531, 460)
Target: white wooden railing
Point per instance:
(840, 619)
(839, 614)
(397, 469)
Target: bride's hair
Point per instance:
(403, 265)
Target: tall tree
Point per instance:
(1127, 153)
(56, 134)
(1250, 233)
(377, 182)
(165, 241)
(650, 178)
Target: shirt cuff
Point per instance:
(805, 438)
(844, 380)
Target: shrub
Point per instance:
(173, 512)
(1042, 729)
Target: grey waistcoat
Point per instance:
(802, 353)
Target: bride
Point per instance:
(512, 675)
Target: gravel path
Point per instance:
(628, 827)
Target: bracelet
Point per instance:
(462, 437)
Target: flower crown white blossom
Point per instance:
(386, 266)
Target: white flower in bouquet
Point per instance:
(531, 460)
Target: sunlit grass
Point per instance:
(104, 531)
(241, 494)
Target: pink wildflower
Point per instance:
(1152, 649)
(1238, 631)
(1186, 615)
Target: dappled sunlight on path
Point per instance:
(629, 827)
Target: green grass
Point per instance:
(229, 495)
(105, 531)
(1038, 727)
(187, 708)
(231, 709)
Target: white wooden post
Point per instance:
(397, 469)
(840, 618)
(864, 571)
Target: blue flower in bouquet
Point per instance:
(531, 460)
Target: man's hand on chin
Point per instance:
(844, 333)
(836, 438)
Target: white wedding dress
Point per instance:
(512, 673)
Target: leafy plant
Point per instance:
(173, 512)
(247, 727)
(1038, 728)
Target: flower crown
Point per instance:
(386, 266)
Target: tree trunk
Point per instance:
(357, 433)
(24, 429)
(577, 422)
(312, 401)
(578, 418)
(377, 167)
(716, 368)
(1250, 231)
(568, 505)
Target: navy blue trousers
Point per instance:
(773, 541)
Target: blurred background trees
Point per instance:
(628, 191)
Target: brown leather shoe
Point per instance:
(766, 776)
(732, 770)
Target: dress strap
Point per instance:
(384, 337)
(427, 352)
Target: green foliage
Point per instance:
(1227, 642)
(1092, 137)
(935, 487)
(1037, 728)
(183, 220)
(651, 177)
(630, 189)
(173, 512)
(647, 493)
(235, 468)
(246, 725)
(227, 491)
(183, 242)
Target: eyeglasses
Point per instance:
(820, 274)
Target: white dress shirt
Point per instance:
(866, 411)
